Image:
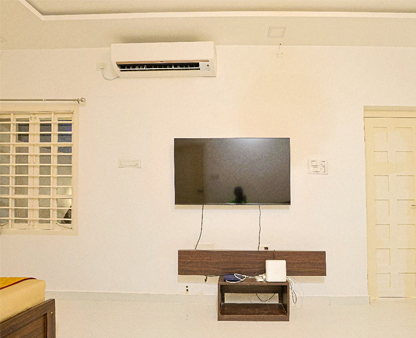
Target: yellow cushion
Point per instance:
(20, 297)
(7, 281)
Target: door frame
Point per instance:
(381, 112)
(394, 111)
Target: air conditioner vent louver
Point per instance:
(165, 59)
(161, 66)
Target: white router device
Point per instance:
(275, 271)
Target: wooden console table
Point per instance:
(253, 311)
(251, 263)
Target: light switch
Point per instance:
(319, 167)
(130, 164)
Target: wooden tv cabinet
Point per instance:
(251, 263)
(253, 311)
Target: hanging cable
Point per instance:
(106, 78)
(258, 245)
(267, 300)
(294, 294)
(202, 224)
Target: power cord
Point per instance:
(258, 245)
(240, 278)
(293, 293)
(267, 300)
(202, 224)
(106, 78)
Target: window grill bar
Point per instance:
(25, 130)
(26, 197)
(35, 165)
(36, 219)
(37, 186)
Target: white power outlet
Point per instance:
(101, 66)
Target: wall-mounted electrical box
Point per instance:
(130, 164)
(319, 167)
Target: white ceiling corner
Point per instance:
(32, 9)
(82, 7)
(49, 24)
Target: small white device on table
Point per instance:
(275, 271)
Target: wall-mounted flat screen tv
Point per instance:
(232, 171)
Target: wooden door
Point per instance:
(391, 204)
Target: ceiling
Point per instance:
(51, 7)
(53, 24)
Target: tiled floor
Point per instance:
(125, 319)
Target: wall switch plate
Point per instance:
(130, 164)
(318, 167)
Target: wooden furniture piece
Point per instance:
(251, 263)
(253, 311)
(36, 322)
(221, 262)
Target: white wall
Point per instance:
(129, 228)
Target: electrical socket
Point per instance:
(102, 66)
(264, 247)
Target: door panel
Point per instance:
(391, 200)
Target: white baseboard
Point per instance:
(130, 297)
(337, 300)
(188, 298)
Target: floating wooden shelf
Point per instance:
(222, 262)
(251, 263)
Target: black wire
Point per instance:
(202, 224)
(265, 301)
(258, 245)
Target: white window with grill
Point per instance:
(38, 151)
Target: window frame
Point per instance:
(70, 108)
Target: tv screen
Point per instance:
(232, 171)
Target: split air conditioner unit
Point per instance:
(166, 59)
